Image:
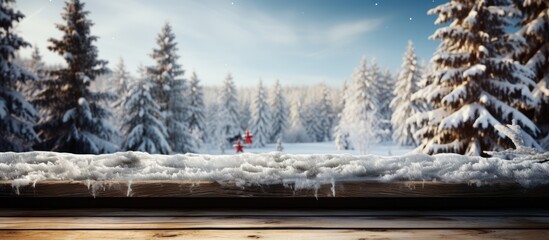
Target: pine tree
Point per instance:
(311, 121)
(424, 106)
(245, 114)
(197, 108)
(74, 120)
(279, 113)
(121, 80)
(143, 123)
(177, 116)
(534, 53)
(359, 115)
(37, 68)
(403, 105)
(261, 118)
(324, 116)
(374, 79)
(213, 137)
(17, 116)
(297, 131)
(385, 96)
(341, 137)
(170, 91)
(229, 110)
(474, 86)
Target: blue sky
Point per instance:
(299, 42)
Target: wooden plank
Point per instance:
(275, 222)
(193, 189)
(279, 234)
(121, 212)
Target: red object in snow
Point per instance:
(238, 146)
(248, 137)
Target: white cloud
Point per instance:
(211, 34)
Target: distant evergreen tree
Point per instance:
(403, 105)
(324, 116)
(261, 118)
(177, 117)
(279, 113)
(143, 123)
(297, 131)
(17, 116)
(385, 96)
(474, 86)
(121, 80)
(197, 108)
(381, 121)
(534, 54)
(358, 118)
(213, 135)
(341, 137)
(37, 68)
(245, 114)
(36, 65)
(312, 122)
(170, 91)
(228, 109)
(74, 120)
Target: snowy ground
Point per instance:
(382, 149)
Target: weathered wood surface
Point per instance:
(182, 189)
(125, 212)
(273, 222)
(270, 224)
(279, 234)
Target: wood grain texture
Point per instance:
(124, 212)
(274, 222)
(279, 234)
(197, 189)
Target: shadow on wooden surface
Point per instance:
(207, 194)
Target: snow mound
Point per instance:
(301, 171)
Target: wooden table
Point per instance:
(210, 210)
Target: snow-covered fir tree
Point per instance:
(170, 91)
(197, 108)
(261, 118)
(534, 53)
(245, 114)
(213, 136)
(73, 118)
(423, 105)
(341, 138)
(474, 86)
(324, 116)
(374, 79)
(121, 81)
(228, 109)
(36, 64)
(37, 67)
(143, 123)
(297, 132)
(279, 112)
(177, 117)
(312, 122)
(358, 116)
(385, 84)
(403, 105)
(17, 116)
